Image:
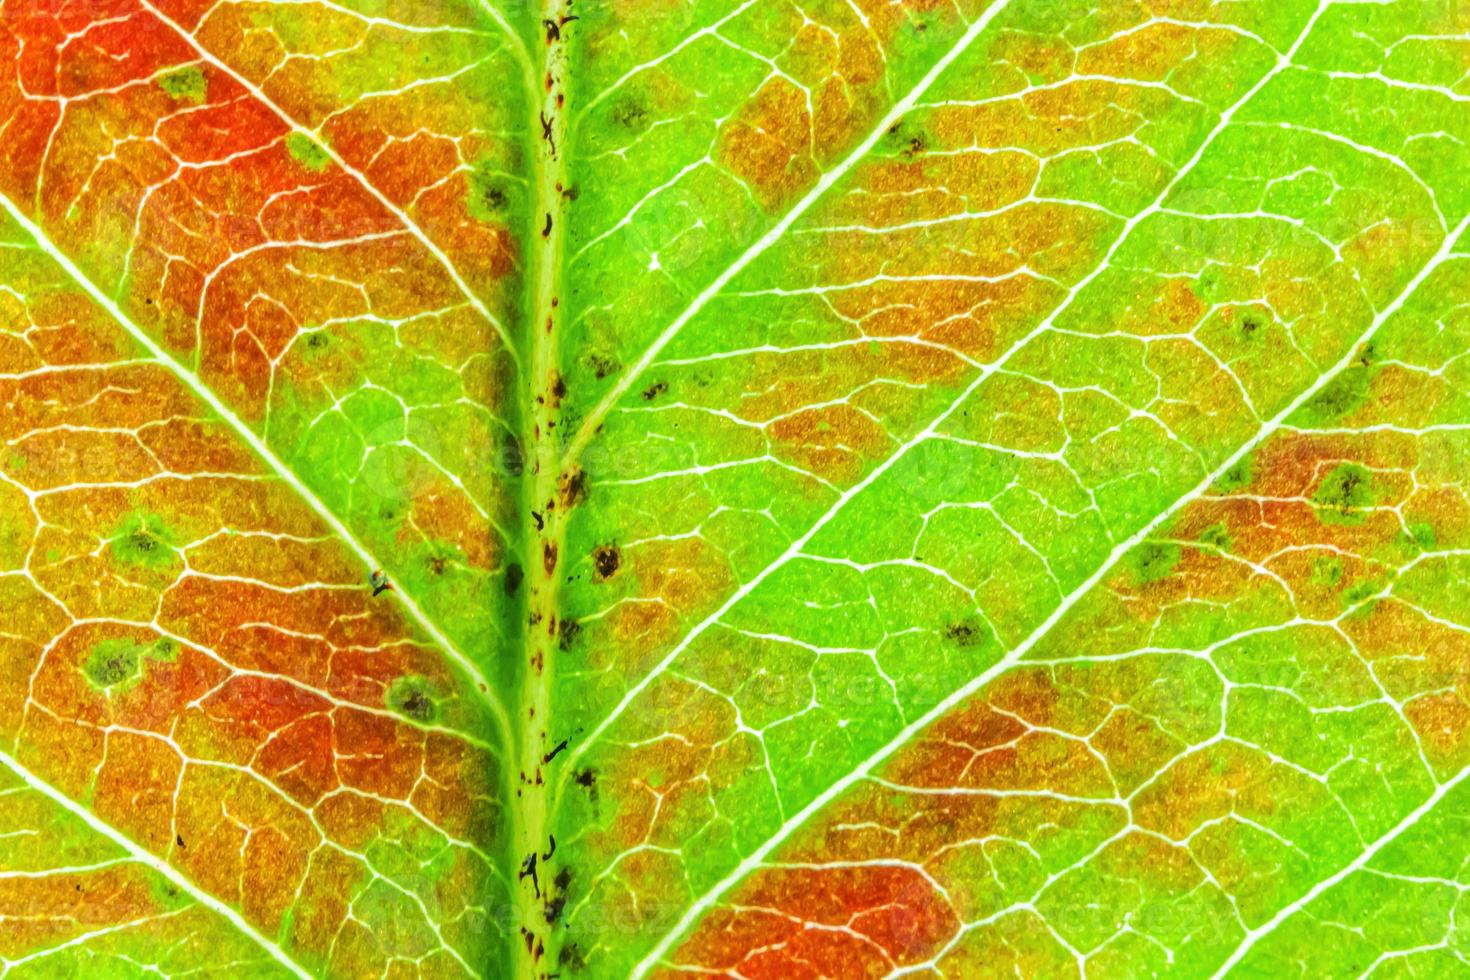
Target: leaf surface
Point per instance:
(736, 488)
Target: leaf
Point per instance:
(731, 488)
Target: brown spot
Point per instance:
(573, 487)
(571, 957)
(602, 365)
(654, 390)
(607, 559)
(629, 114)
(567, 635)
(548, 557)
(587, 779)
(417, 705)
(964, 634)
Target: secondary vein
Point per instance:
(796, 546)
(398, 213)
(827, 181)
(277, 466)
(861, 771)
(153, 862)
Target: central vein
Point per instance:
(547, 495)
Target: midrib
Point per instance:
(543, 508)
(523, 732)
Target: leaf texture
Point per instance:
(733, 488)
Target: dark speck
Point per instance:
(573, 488)
(417, 705)
(629, 114)
(607, 559)
(964, 634)
(568, 632)
(514, 574)
(571, 958)
(602, 365)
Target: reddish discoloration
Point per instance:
(446, 516)
(1207, 786)
(1276, 524)
(1156, 50)
(914, 841)
(419, 167)
(769, 144)
(1442, 722)
(834, 443)
(669, 582)
(837, 921)
(226, 262)
(45, 911)
(258, 697)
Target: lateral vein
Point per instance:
(383, 200)
(861, 771)
(796, 547)
(265, 453)
(153, 862)
(829, 179)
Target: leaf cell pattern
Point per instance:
(733, 488)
